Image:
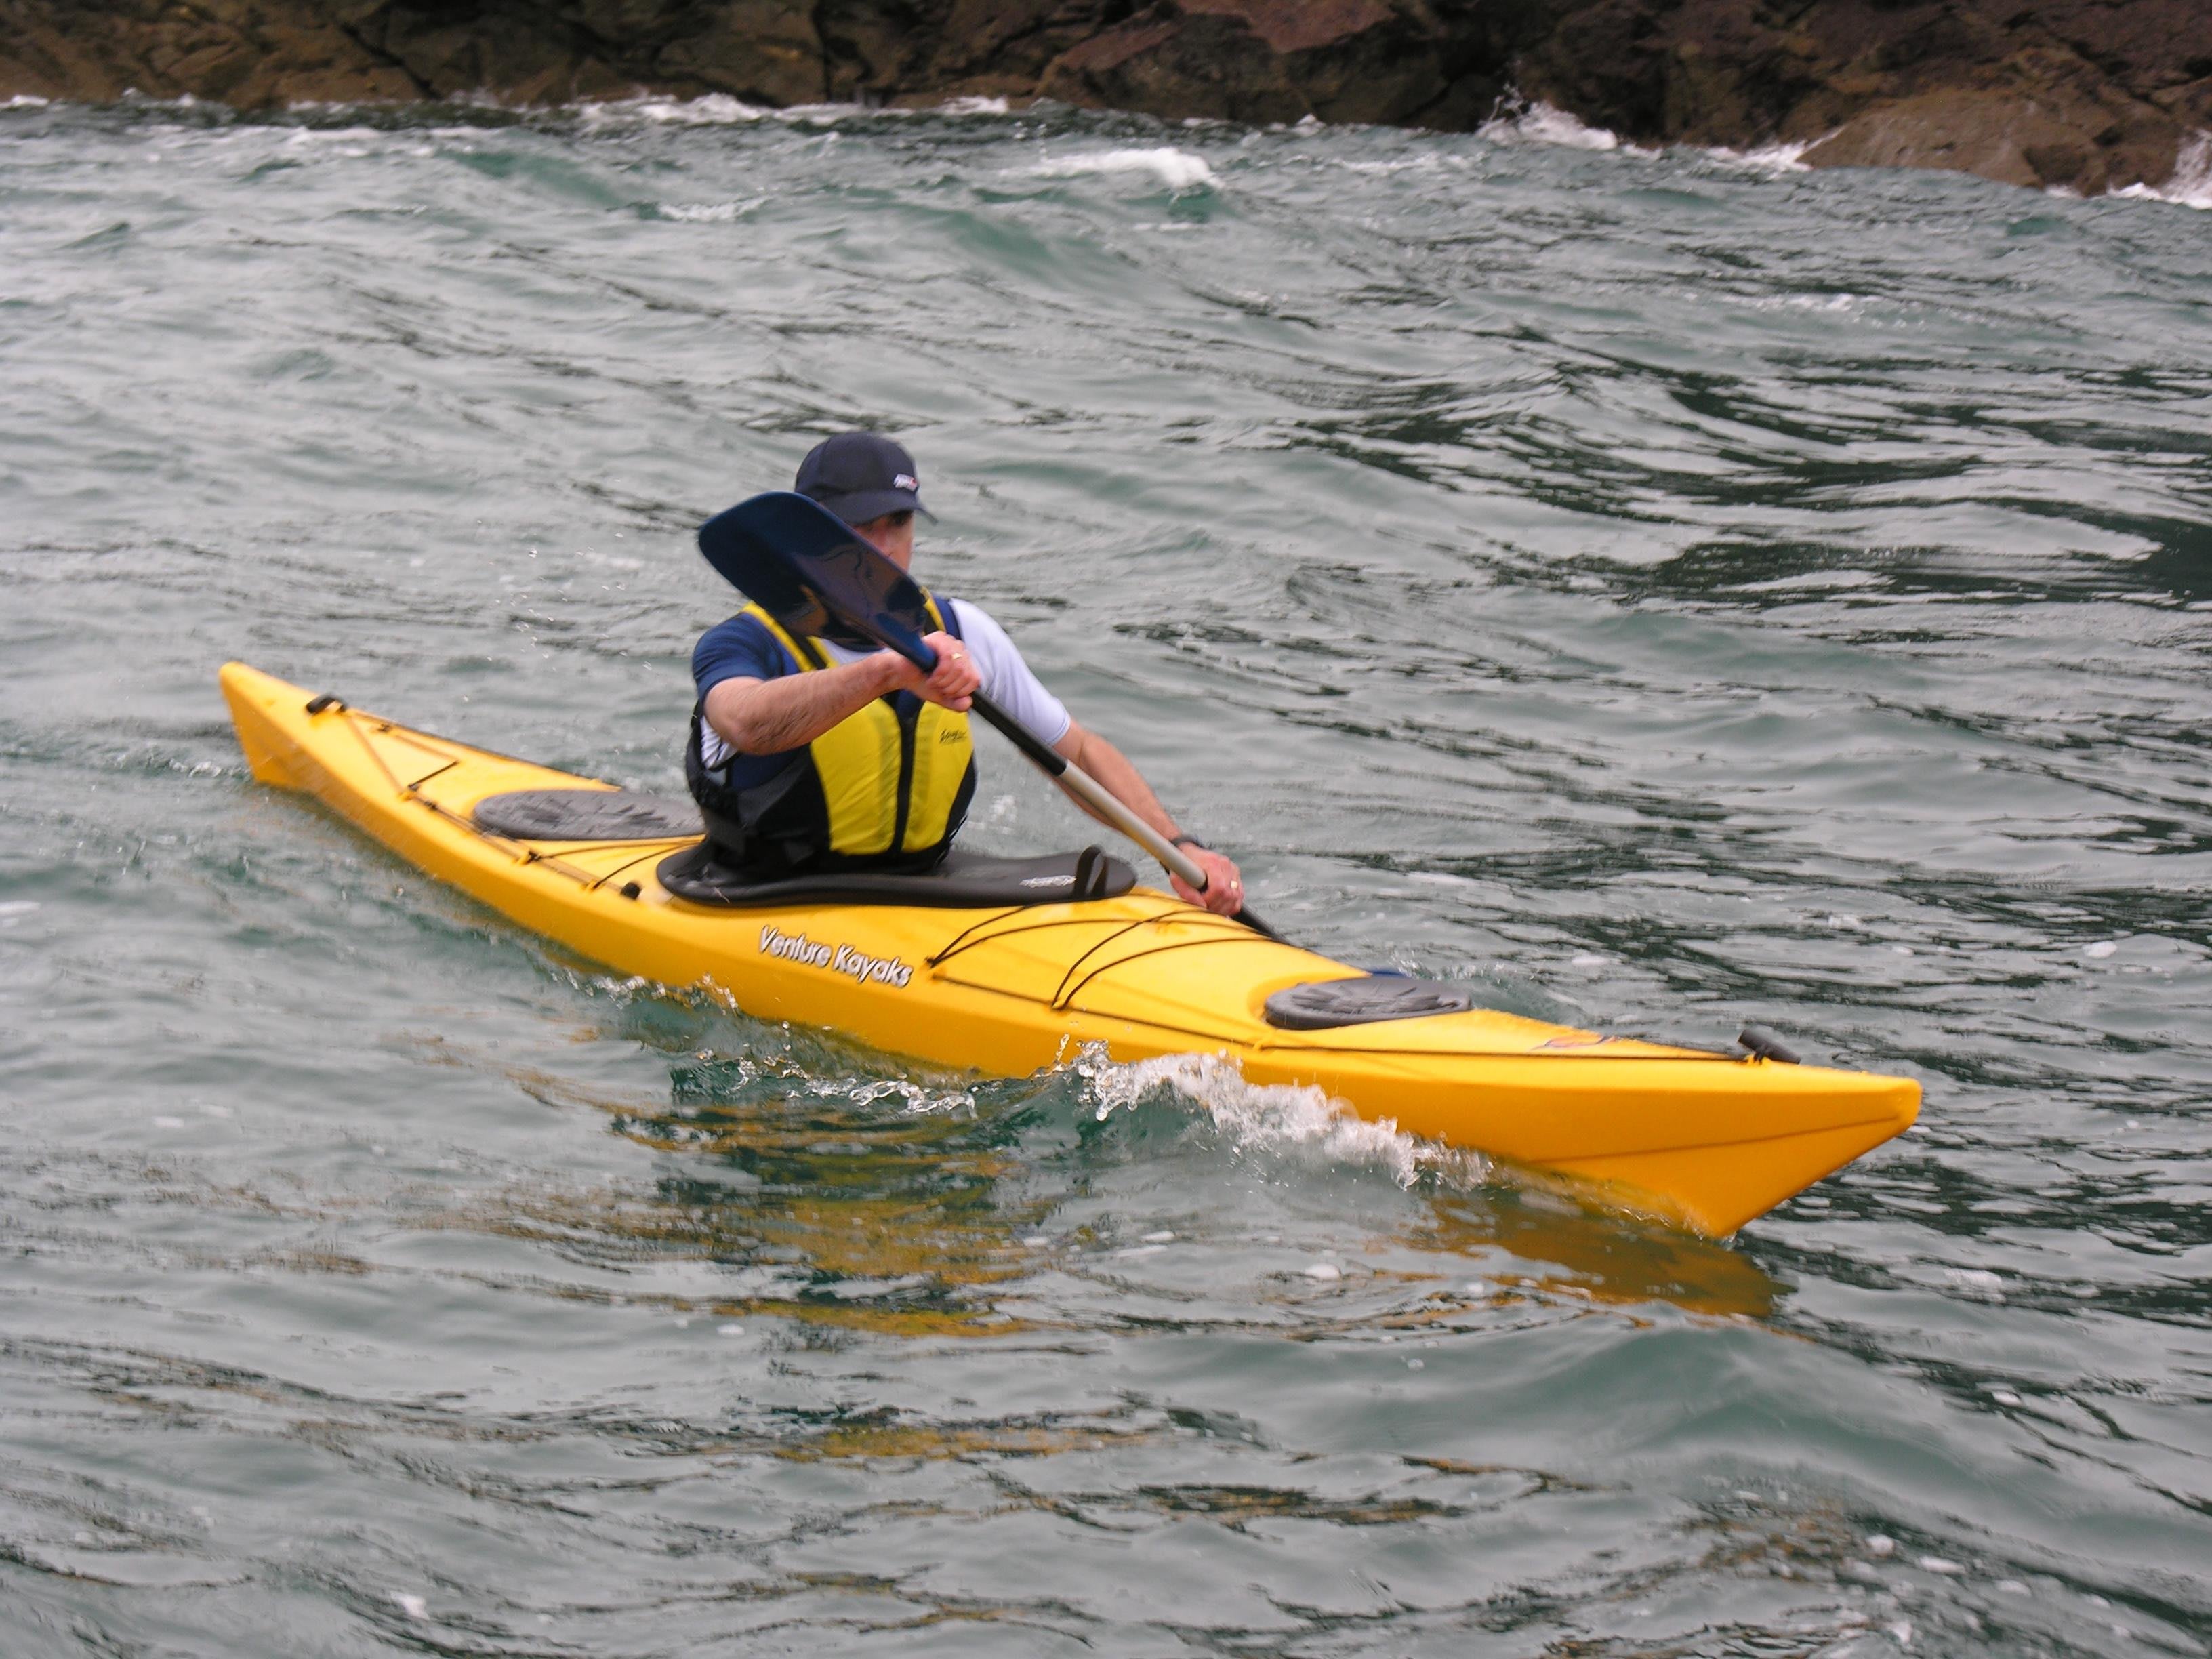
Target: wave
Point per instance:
(2191, 185)
(1535, 122)
(1176, 170)
(1770, 158)
(720, 109)
(1538, 122)
(709, 213)
(1272, 1119)
(712, 109)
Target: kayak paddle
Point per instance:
(803, 565)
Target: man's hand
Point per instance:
(1225, 888)
(953, 683)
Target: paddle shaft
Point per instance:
(1091, 793)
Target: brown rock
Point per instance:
(1258, 60)
(764, 51)
(2040, 138)
(1195, 66)
(2089, 93)
(523, 54)
(249, 55)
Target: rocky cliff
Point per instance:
(2092, 95)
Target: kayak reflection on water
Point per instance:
(811, 755)
(914, 1207)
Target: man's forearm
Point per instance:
(1121, 780)
(1219, 887)
(766, 717)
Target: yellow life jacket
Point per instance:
(892, 784)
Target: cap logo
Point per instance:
(905, 481)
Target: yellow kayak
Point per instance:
(1004, 973)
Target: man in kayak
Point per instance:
(817, 754)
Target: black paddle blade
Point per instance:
(803, 565)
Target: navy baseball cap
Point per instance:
(860, 475)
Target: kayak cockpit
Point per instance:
(960, 881)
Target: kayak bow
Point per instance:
(1704, 1139)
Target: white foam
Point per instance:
(719, 109)
(312, 137)
(1816, 580)
(711, 213)
(1769, 158)
(413, 1606)
(712, 109)
(1540, 124)
(27, 101)
(920, 1099)
(1273, 1118)
(1425, 161)
(1176, 169)
(335, 107)
(2192, 182)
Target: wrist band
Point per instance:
(1188, 840)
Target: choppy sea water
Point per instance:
(1656, 591)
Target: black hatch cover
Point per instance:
(585, 815)
(1361, 1002)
